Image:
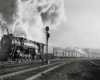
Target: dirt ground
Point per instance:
(78, 70)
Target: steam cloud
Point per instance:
(29, 17)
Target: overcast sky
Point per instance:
(82, 28)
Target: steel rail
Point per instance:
(23, 71)
(48, 70)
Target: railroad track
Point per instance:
(14, 64)
(8, 70)
(94, 64)
(13, 68)
(35, 70)
(9, 62)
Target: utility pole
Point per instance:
(47, 36)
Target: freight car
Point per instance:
(18, 48)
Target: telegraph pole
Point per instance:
(47, 36)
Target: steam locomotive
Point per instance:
(19, 48)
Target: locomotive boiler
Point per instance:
(18, 48)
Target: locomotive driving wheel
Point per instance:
(11, 54)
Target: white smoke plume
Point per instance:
(29, 17)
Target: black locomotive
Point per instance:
(19, 48)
